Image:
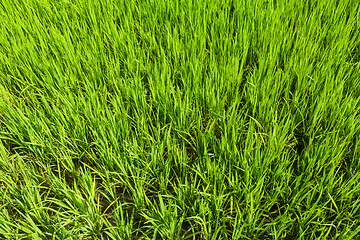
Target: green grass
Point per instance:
(179, 119)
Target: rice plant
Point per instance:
(179, 119)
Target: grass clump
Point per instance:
(179, 119)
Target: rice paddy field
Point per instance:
(179, 119)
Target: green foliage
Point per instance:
(179, 119)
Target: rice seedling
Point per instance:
(179, 119)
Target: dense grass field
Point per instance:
(179, 119)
